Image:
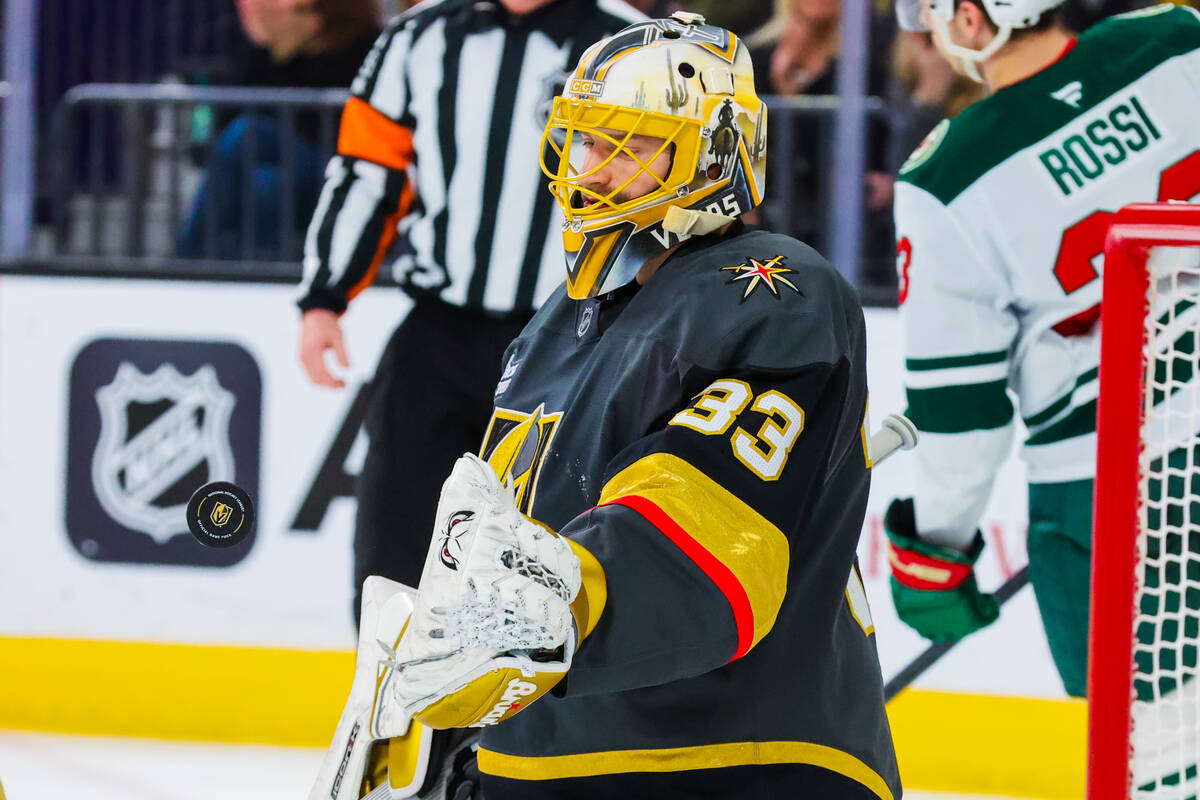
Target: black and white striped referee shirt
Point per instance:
(437, 165)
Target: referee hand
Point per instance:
(320, 332)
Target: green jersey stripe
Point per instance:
(1180, 307)
(950, 362)
(1060, 405)
(1172, 779)
(1170, 375)
(1080, 421)
(1050, 412)
(960, 408)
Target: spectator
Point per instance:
(797, 54)
(290, 43)
(740, 17)
(658, 8)
(925, 91)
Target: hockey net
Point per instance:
(1144, 704)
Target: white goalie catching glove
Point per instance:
(501, 608)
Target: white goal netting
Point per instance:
(1166, 702)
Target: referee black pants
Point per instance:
(431, 402)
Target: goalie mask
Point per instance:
(677, 80)
(1006, 15)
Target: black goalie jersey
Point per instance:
(703, 436)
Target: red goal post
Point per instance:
(1141, 322)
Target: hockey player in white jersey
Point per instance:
(1001, 216)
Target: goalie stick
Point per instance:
(897, 432)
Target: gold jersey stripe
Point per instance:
(679, 759)
(736, 535)
(589, 604)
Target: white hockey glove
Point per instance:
(503, 603)
(492, 629)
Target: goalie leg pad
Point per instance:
(386, 608)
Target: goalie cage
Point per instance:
(1144, 708)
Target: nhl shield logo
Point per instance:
(161, 436)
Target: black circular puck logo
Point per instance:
(220, 514)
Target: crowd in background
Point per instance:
(285, 43)
(320, 43)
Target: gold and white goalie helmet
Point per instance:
(678, 80)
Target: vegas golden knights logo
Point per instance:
(515, 445)
(220, 514)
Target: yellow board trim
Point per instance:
(173, 691)
(950, 742)
(985, 744)
(678, 759)
(743, 540)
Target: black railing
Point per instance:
(127, 188)
(129, 161)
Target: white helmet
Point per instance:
(1007, 15)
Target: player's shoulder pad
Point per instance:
(761, 299)
(949, 152)
(1163, 24)
(958, 151)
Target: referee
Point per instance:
(437, 174)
